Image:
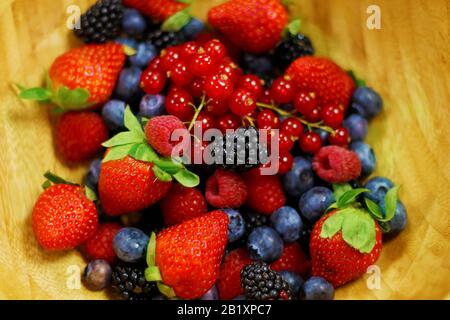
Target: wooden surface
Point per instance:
(407, 61)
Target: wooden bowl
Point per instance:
(407, 61)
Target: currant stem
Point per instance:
(197, 112)
(282, 112)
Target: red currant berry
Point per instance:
(292, 127)
(152, 82)
(285, 163)
(231, 70)
(340, 137)
(285, 143)
(202, 64)
(215, 49)
(196, 87)
(155, 65)
(228, 121)
(305, 102)
(313, 115)
(218, 87)
(180, 74)
(242, 102)
(217, 107)
(266, 97)
(310, 142)
(332, 116)
(178, 103)
(205, 121)
(169, 57)
(251, 83)
(282, 90)
(189, 50)
(267, 119)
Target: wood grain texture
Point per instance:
(407, 61)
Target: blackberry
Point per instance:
(262, 283)
(240, 150)
(292, 48)
(128, 282)
(254, 220)
(162, 39)
(101, 22)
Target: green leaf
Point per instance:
(36, 94)
(384, 226)
(152, 274)
(90, 194)
(390, 204)
(294, 27)
(349, 197)
(373, 208)
(187, 178)
(144, 121)
(358, 230)
(340, 189)
(185, 1)
(166, 290)
(332, 225)
(358, 82)
(144, 152)
(286, 3)
(151, 251)
(51, 177)
(132, 123)
(177, 21)
(122, 138)
(161, 175)
(116, 153)
(168, 165)
(47, 184)
(75, 99)
(333, 206)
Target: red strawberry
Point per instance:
(63, 217)
(264, 193)
(158, 10)
(189, 254)
(229, 282)
(253, 25)
(99, 246)
(182, 204)
(79, 135)
(332, 85)
(129, 185)
(293, 259)
(341, 258)
(82, 77)
(225, 189)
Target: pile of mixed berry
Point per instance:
(157, 226)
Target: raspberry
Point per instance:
(225, 189)
(159, 131)
(99, 246)
(265, 193)
(293, 259)
(182, 204)
(229, 281)
(336, 164)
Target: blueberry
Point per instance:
(130, 244)
(128, 83)
(152, 105)
(287, 222)
(211, 294)
(264, 244)
(400, 219)
(130, 42)
(323, 135)
(258, 64)
(133, 22)
(113, 114)
(366, 102)
(314, 202)
(159, 297)
(145, 53)
(366, 155)
(97, 275)
(294, 280)
(93, 174)
(236, 225)
(378, 187)
(193, 28)
(357, 127)
(317, 288)
(300, 178)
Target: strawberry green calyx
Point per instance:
(177, 21)
(152, 271)
(52, 179)
(359, 82)
(292, 28)
(134, 143)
